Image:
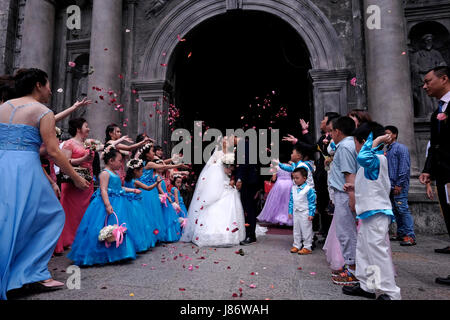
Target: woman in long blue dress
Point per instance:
(109, 206)
(31, 217)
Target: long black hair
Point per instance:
(109, 129)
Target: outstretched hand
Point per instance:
(290, 138)
(82, 103)
(304, 124)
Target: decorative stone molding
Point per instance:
(153, 95)
(234, 4)
(329, 93)
(312, 25)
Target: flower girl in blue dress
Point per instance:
(109, 206)
(176, 197)
(142, 220)
(168, 232)
(170, 215)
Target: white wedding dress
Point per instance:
(215, 216)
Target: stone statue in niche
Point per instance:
(421, 62)
(155, 7)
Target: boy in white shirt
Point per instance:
(302, 206)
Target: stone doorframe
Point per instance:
(328, 73)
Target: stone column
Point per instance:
(38, 35)
(153, 106)
(106, 61)
(388, 73)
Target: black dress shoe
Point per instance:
(357, 291)
(443, 280)
(247, 241)
(443, 250)
(383, 296)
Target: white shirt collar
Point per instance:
(446, 99)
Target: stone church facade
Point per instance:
(127, 48)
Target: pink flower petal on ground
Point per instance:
(234, 295)
(72, 64)
(252, 286)
(312, 273)
(182, 289)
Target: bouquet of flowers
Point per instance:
(228, 158)
(92, 144)
(112, 233)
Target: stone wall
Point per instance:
(8, 25)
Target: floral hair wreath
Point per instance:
(146, 147)
(135, 163)
(109, 148)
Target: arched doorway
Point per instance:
(242, 69)
(327, 74)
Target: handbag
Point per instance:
(83, 172)
(268, 186)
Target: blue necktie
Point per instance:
(440, 105)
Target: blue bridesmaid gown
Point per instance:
(153, 205)
(31, 216)
(184, 211)
(87, 250)
(141, 221)
(170, 215)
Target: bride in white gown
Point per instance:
(215, 216)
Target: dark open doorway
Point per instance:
(229, 64)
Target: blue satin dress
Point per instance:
(184, 211)
(141, 221)
(31, 217)
(153, 205)
(170, 215)
(87, 250)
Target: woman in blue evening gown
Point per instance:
(31, 217)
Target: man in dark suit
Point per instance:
(248, 182)
(437, 165)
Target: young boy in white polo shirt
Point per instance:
(374, 268)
